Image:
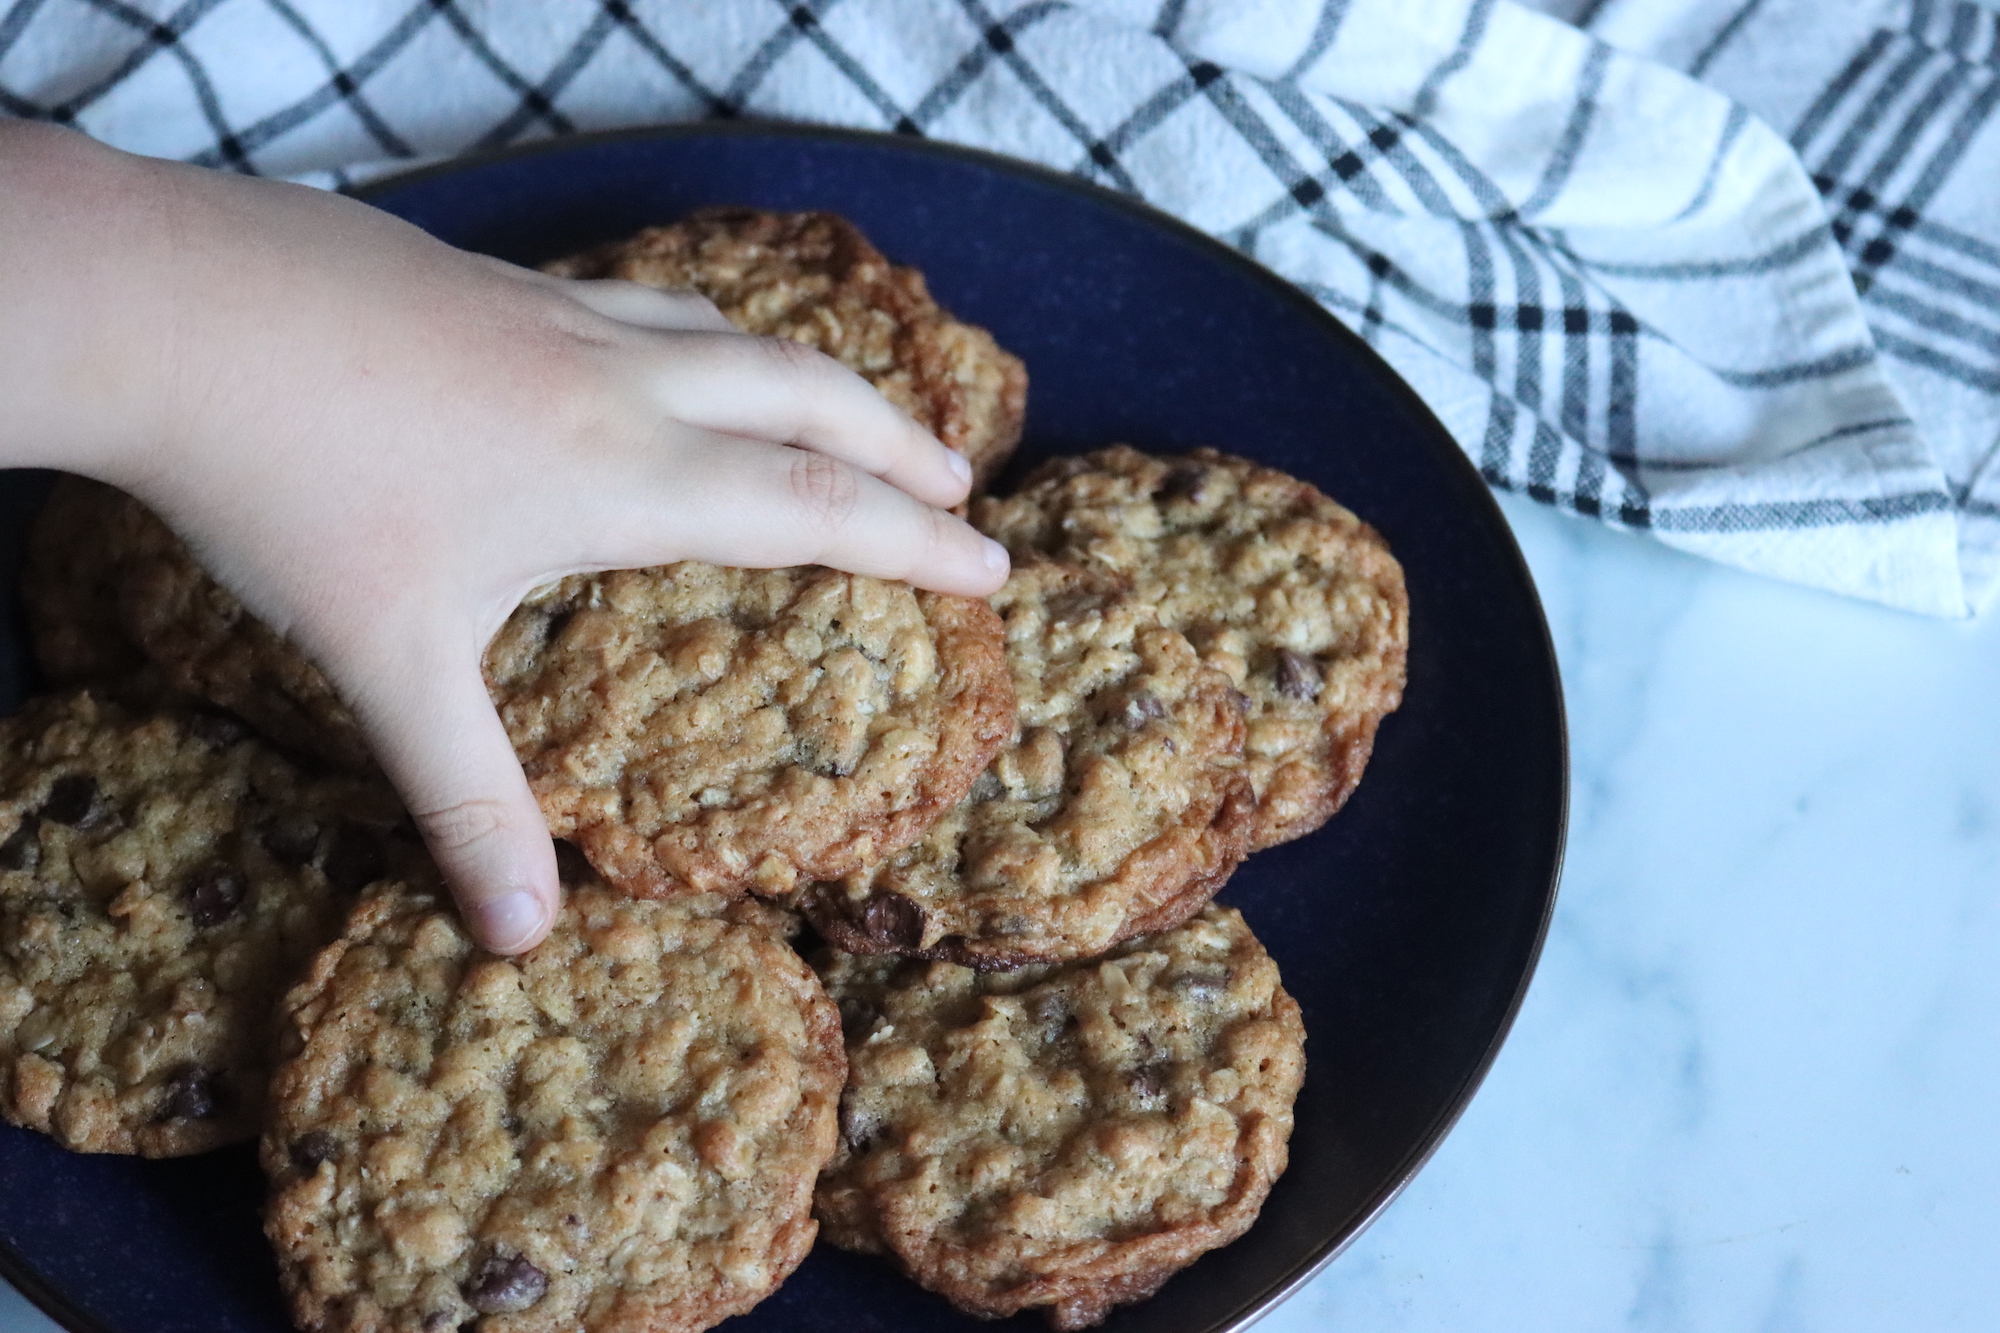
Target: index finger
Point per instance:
(787, 393)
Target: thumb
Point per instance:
(437, 736)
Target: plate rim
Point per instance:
(67, 1315)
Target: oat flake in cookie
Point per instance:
(1120, 807)
(162, 880)
(617, 1132)
(815, 279)
(1062, 1137)
(726, 729)
(1295, 599)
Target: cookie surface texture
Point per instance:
(163, 879)
(1062, 1137)
(726, 729)
(1119, 809)
(815, 279)
(149, 592)
(618, 1131)
(1291, 596)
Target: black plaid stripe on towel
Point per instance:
(1764, 329)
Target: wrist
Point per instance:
(86, 313)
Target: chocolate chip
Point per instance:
(73, 800)
(312, 1148)
(893, 921)
(1298, 676)
(1240, 700)
(190, 1094)
(1148, 1081)
(1202, 984)
(572, 866)
(214, 894)
(858, 1124)
(437, 1321)
(217, 731)
(505, 1285)
(1188, 482)
(23, 850)
(1068, 606)
(291, 837)
(354, 861)
(1144, 706)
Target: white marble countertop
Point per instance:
(1756, 1083)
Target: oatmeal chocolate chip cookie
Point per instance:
(162, 880)
(725, 729)
(1295, 599)
(815, 279)
(616, 1132)
(108, 584)
(1062, 1137)
(1119, 809)
(691, 725)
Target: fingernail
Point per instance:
(959, 466)
(508, 922)
(996, 556)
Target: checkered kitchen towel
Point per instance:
(1757, 316)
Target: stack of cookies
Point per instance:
(1029, 1061)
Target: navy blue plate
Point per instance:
(1407, 928)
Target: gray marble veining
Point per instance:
(1754, 1085)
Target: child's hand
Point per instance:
(381, 443)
